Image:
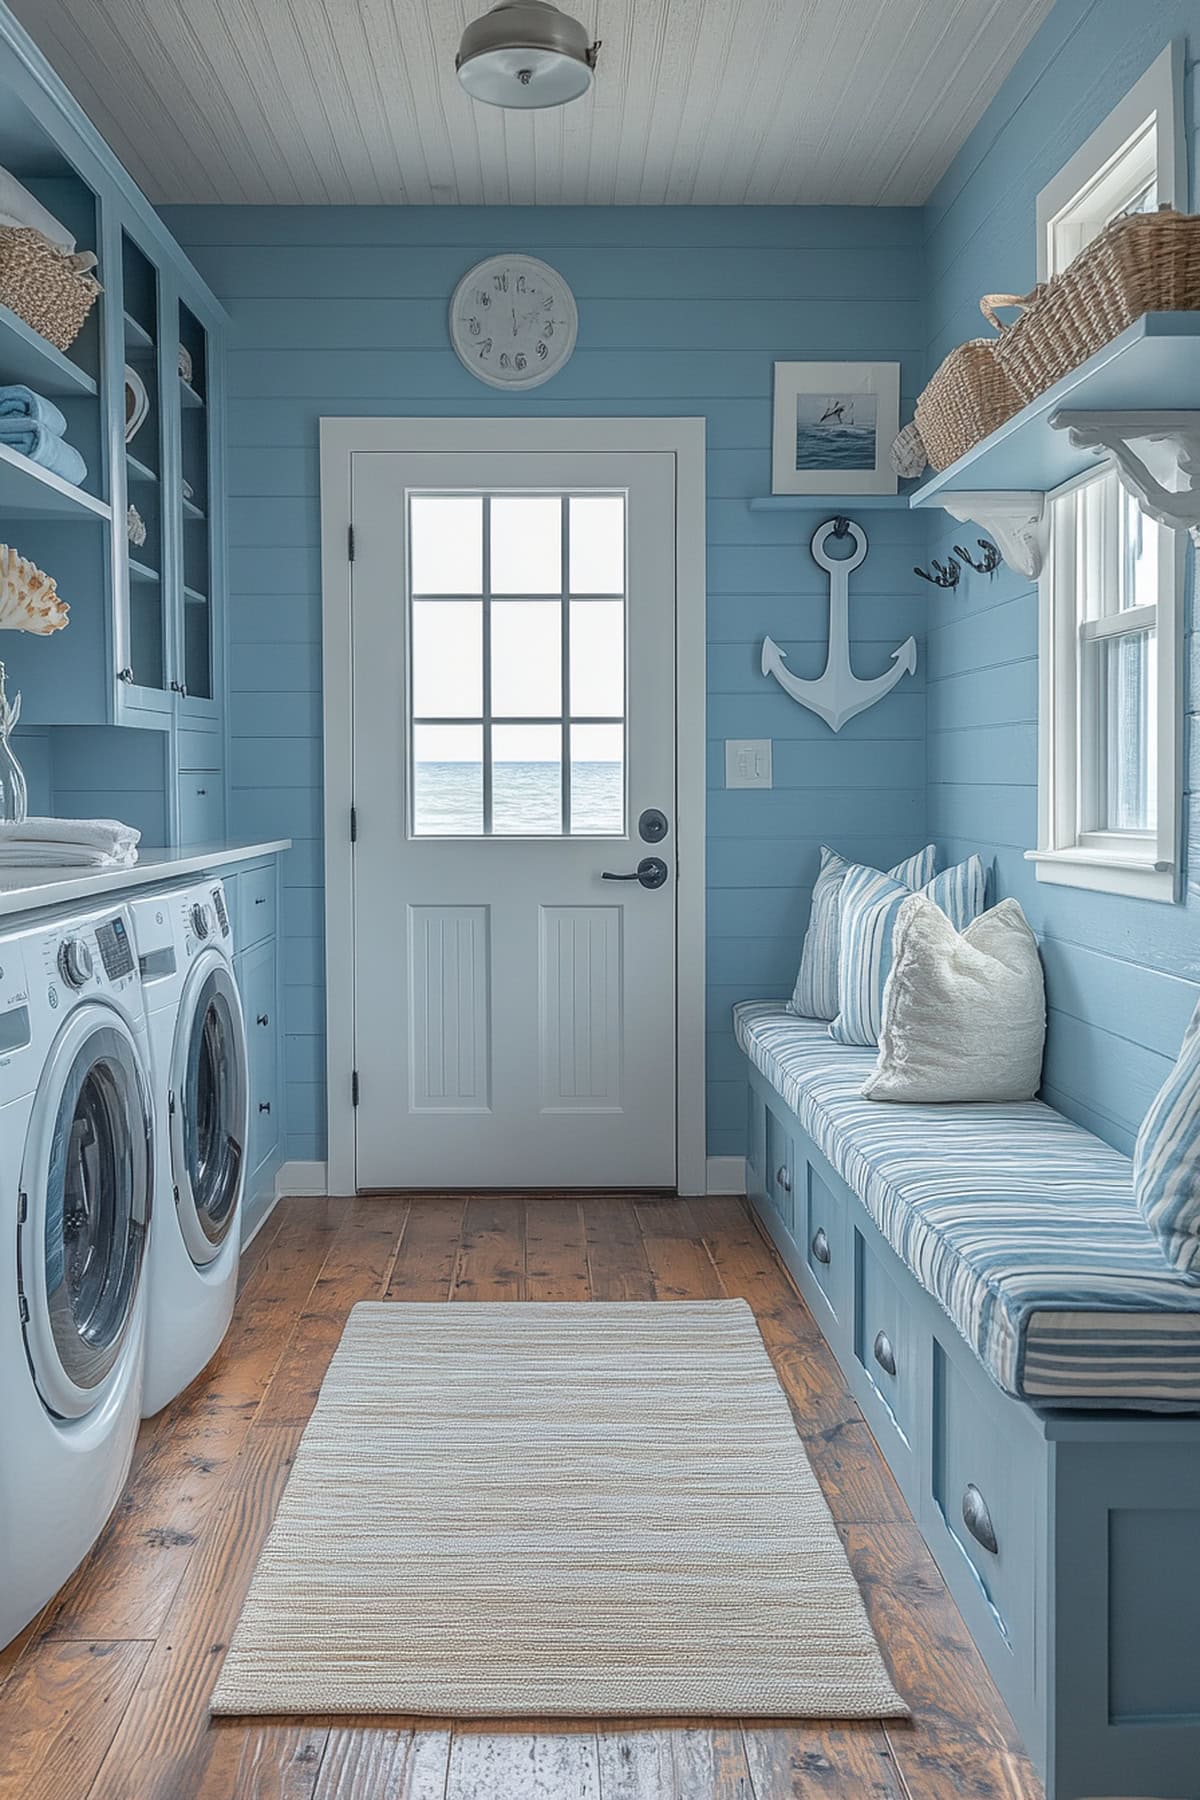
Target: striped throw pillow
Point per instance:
(815, 995)
(870, 906)
(1166, 1159)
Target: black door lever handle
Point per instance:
(652, 872)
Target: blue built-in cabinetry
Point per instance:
(252, 896)
(122, 711)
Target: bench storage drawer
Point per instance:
(824, 1241)
(885, 1343)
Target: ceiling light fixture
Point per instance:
(525, 53)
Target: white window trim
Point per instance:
(1146, 866)
(1158, 94)
(685, 439)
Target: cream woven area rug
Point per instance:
(554, 1509)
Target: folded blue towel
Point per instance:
(43, 447)
(20, 402)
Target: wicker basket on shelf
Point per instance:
(969, 396)
(1146, 262)
(47, 287)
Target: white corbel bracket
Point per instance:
(1172, 443)
(1016, 521)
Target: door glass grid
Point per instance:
(517, 650)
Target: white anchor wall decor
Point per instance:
(837, 694)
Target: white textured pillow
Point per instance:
(964, 1014)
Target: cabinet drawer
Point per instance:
(780, 1183)
(824, 1242)
(199, 751)
(986, 1500)
(884, 1337)
(201, 807)
(256, 983)
(256, 904)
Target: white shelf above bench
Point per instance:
(1151, 370)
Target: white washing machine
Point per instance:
(77, 1161)
(201, 1098)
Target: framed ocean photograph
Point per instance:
(834, 425)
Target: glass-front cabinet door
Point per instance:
(145, 669)
(196, 433)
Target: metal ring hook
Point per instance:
(830, 528)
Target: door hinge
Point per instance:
(354, 1087)
(354, 824)
(22, 1208)
(350, 542)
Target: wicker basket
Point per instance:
(969, 396)
(1147, 262)
(48, 288)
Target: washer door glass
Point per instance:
(97, 1205)
(210, 1142)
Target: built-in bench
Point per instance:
(1030, 1365)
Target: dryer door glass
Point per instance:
(213, 1103)
(97, 1205)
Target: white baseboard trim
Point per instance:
(301, 1179)
(726, 1175)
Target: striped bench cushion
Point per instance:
(1021, 1225)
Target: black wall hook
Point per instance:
(944, 576)
(991, 557)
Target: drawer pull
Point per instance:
(263, 1019)
(264, 1106)
(820, 1245)
(978, 1520)
(783, 1178)
(885, 1356)
(260, 900)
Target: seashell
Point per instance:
(29, 600)
(135, 527)
(908, 456)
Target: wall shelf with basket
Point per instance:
(124, 507)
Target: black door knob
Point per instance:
(652, 872)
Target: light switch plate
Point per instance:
(747, 762)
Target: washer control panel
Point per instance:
(75, 962)
(116, 951)
(200, 923)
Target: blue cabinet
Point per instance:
(145, 646)
(252, 895)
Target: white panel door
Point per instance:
(513, 625)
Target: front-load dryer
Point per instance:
(77, 1160)
(201, 1095)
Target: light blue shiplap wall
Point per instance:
(1123, 975)
(340, 311)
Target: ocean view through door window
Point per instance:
(517, 664)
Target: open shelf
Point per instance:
(25, 355)
(188, 395)
(831, 503)
(194, 597)
(137, 338)
(139, 471)
(140, 571)
(1154, 364)
(191, 510)
(27, 490)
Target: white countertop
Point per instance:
(26, 890)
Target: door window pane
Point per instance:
(446, 544)
(526, 659)
(597, 658)
(526, 544)
(598, 780)
(527, 780)
(447, 780)
(597, 556)
(447, 659)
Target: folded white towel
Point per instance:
(64, 856)
(106, 835)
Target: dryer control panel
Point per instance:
(116, 951)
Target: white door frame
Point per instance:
(684, 438)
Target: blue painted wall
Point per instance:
(341, 311)
(1122, 975)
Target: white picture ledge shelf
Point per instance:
(1145, 385)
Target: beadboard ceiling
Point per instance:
(739, 102)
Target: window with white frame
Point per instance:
(1112, 587)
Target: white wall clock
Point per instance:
(513, 321)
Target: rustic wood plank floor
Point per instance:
(105, 1696)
